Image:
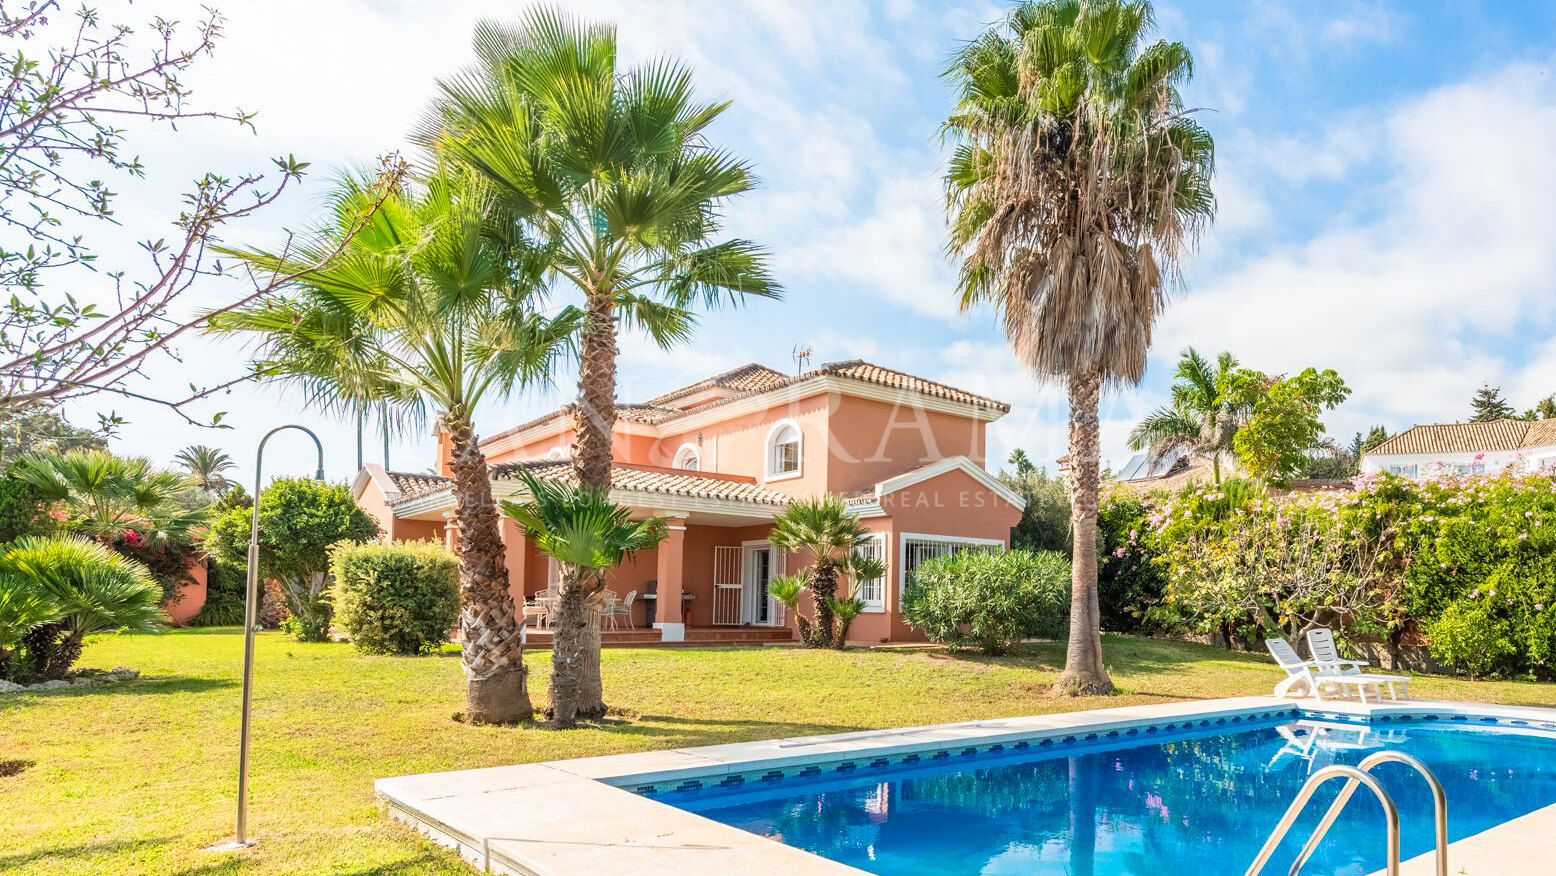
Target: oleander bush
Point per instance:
(1130, 579)
(1466, 562)
(400, 598)
(989, 601)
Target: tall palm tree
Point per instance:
(1204, 415)
(207, 466)
(434, 303)
(588, 535)
(611, 168)
(1077, 180)
(823, 528)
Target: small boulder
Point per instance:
(51, 684)
(10, 686)
(122, 674)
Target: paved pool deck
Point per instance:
(576, 818)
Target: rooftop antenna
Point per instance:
(801, 354)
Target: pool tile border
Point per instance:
(1051, 741)
(590, 816)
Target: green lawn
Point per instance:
(139, 778)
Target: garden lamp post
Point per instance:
(250, 617)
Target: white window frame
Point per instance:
(556, 453)
(906, 538)
(687, 452)
(876, 606)
(770, 445)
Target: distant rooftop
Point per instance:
(1492, 435)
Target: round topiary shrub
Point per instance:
(989, 601)
(400, 598)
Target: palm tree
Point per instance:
(206, 465)
(22, 609)
(587, 534)
(92, 590)
(110, 497)
(434, 303)
(1077, 180)
(611, 169)
(1204, 416)
(833, 538)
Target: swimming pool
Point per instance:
(1179, 787)
(1185, 797)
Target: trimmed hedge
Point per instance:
(990, 601)
(400, 598)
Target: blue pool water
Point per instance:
(1198, 803)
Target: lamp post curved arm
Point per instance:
(250, 618)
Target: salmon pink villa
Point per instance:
(720, 459)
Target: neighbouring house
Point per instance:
(720, 459)
(1524, 446)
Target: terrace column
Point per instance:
(669, 620)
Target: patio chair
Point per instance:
(1326, 657)
(1299, 673)
(1314, 677)
(622, 608)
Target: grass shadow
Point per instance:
(81, 850)
(153, 686)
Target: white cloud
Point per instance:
(1422, 299)
(893, 251)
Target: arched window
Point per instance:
(784, 450)
(688, 459)
(556, 453)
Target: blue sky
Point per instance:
(1384, 180)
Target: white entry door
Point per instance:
(761, 564)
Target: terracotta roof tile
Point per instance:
(1456, 438)
(754, 379)
(1542, 433)
(870, 373)
(412, 484)
(632, 478)
(751, 377)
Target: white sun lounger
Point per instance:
(1320, 643)
(1311, 676)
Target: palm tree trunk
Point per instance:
(594, 426)
(575, 655)
(1084, 673)
(823, 587)
(497, 690)
(595, 417)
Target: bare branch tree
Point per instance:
(55, 138)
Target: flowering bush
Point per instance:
(1130, 579)
(1481, 570)
(1470, 561)
(1243, 564)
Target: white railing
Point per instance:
(775, 609)
(728, 592)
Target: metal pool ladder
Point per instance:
(1361, 774)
